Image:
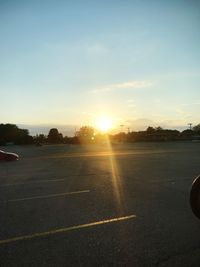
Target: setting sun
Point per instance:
(104, 124)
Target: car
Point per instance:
(195, 197)
(8, 156)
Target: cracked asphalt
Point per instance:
(66, 205)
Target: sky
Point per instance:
(67, 63)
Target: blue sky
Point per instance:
(70, 62)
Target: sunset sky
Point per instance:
(69, 63)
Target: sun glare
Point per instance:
(104, 124)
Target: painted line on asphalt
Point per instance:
(52, 180)
(33, 182)
(66, 229)
(47, 196)
(175, 180)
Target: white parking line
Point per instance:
(51, 180)
(47, 196)
(66, 229)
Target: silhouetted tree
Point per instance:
(86, 134)
(187, 132)
(196, 128)
(150, 130)
(11, 133)
(71, 140)
(158, 128)
(40, 139)
(54, 137)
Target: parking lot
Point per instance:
(65, 205)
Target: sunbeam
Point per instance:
(116, 178)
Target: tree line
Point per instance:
(88, 135)
(11, 133)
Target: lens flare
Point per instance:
(116, 178)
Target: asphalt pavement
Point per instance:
(65, 205)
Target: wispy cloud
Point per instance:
(130, 101)
(125, 85)
(190, 104)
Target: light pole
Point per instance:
(121, 133)
(190, 125)
(122, 128)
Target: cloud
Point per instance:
(130, 101)
(190, 104)
(131, 105)
(133, 84)
(125, 85)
